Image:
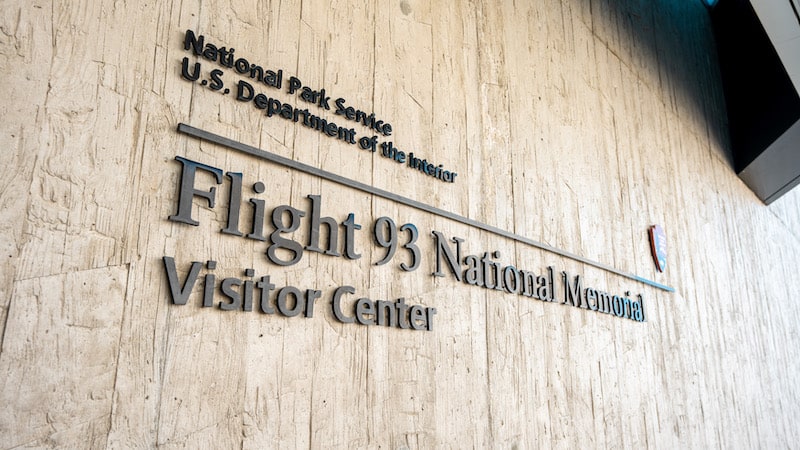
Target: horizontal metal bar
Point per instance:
(244, 148)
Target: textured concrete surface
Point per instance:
(577, 124)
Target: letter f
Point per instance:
(188, 191)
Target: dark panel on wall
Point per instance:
(761, 99)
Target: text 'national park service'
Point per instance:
(252, 80)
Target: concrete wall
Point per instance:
(576, 124)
